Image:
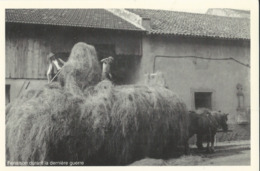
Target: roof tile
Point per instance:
(192, 24)
(89, 18)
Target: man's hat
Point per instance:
(110, 58)
(50, 55)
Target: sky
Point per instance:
(193, 6)
(198, 6)
(201, 6)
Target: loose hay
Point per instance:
(148, 162)
(182, 161)
(185, 161)
(99, 124)
(36, 127)
(81, 70)
(146, 122)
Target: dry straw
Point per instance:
(82, 119)
(82, 69)
(146, 122)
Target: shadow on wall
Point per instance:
(125, 69)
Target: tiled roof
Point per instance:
(89, 18)
(191, 24)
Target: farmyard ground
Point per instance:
(226, 154)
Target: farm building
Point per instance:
(205, 59)
(32, 34)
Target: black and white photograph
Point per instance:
(129, 86)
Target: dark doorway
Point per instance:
(203, 100)
(105, 50)
(124, 67)
(7, 94)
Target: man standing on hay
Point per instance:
(54, 61)
(106, 73)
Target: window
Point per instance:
(203, 100)
(7, 94)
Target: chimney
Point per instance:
(128, 16)
(146, 23)
(138, 21)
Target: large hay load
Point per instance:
(37, 129)
(82, 119)
(146, 122)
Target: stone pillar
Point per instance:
(241, 110)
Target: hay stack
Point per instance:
(23, 98)
(81, 70)
(37, 126)
(99, 124)
(146, 122)
(95, 124)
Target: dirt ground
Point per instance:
(226, 154)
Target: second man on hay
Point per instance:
(106, 64)
(54, 61)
